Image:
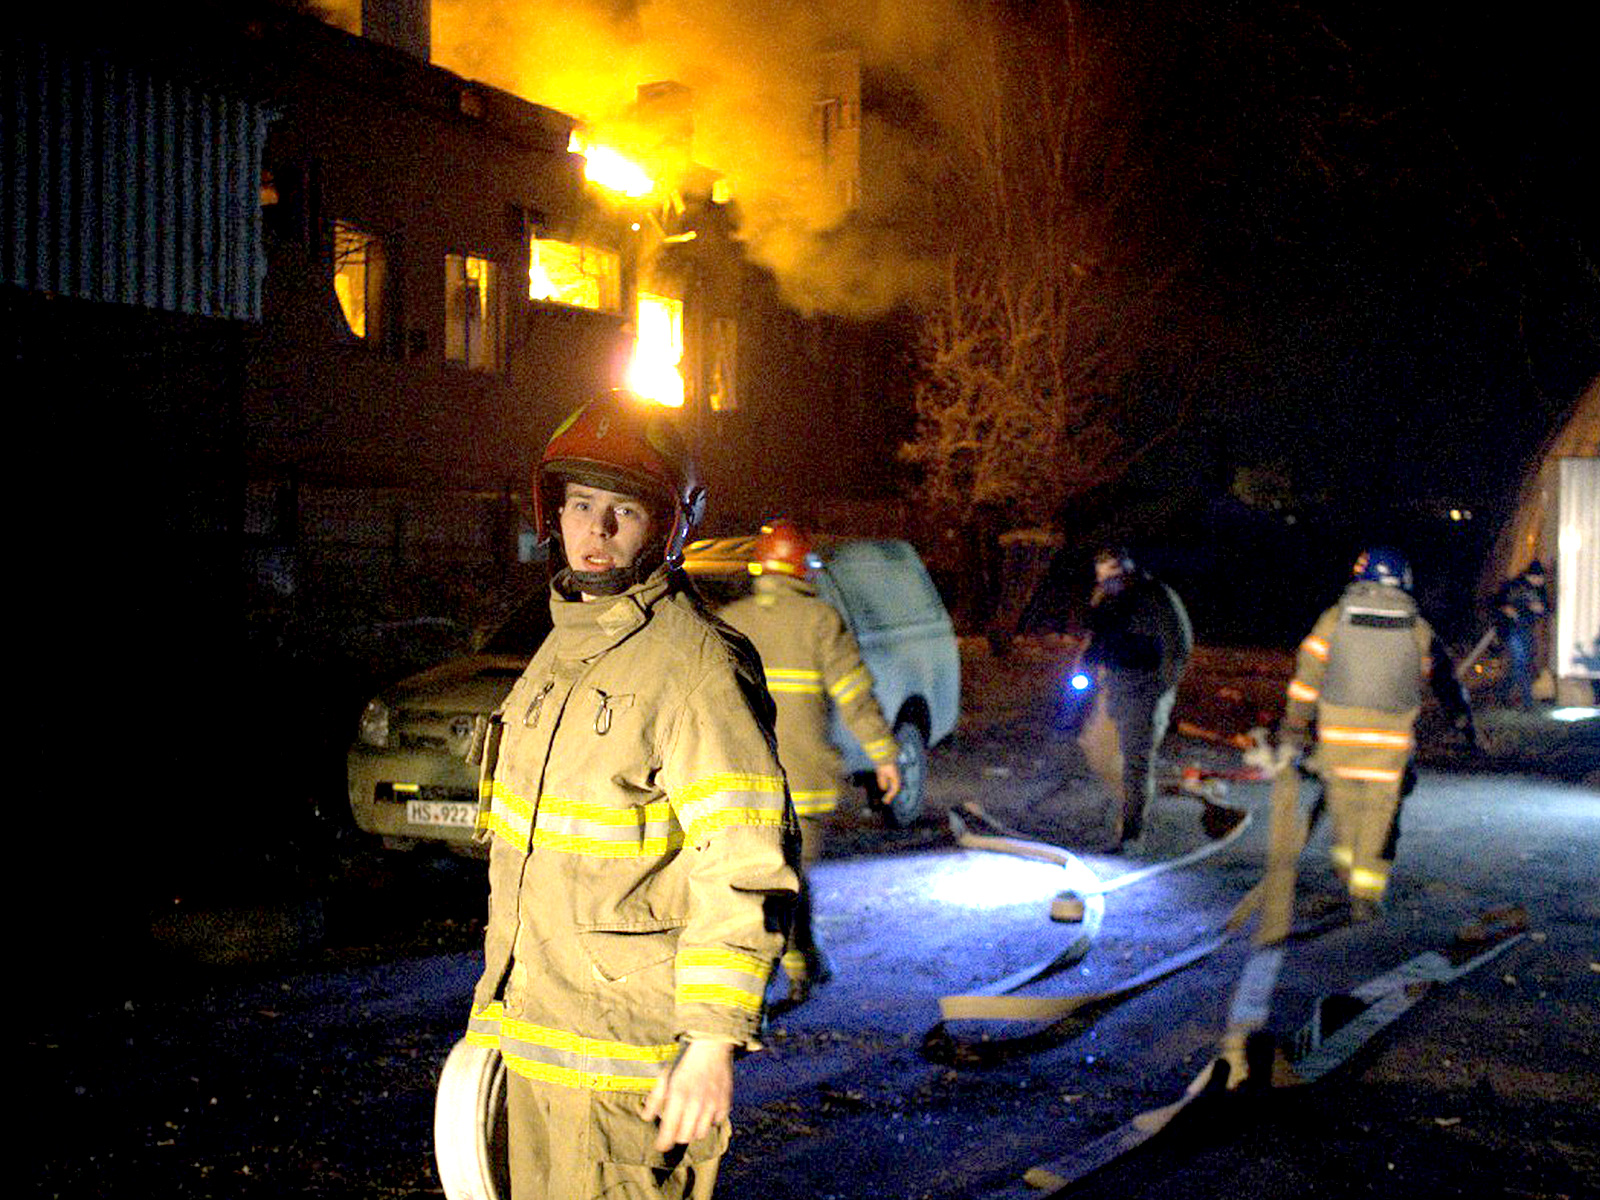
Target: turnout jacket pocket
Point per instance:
(619, 954)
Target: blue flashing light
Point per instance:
(1079, 682)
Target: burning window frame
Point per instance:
(359, 275)
(473, 329)
(576, 274)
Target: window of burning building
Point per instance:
(722, 371)
(358, 278)
(658, 349)
(582, 276)
(472, 311)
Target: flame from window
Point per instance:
(568, 273)
(609, 169)
(657, 351)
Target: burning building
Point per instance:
(313, 303)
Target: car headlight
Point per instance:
(374, 726)
(459, 741)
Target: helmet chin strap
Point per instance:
(606, 583)
(616, 580)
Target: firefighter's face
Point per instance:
(601, 530)
(1107, 569)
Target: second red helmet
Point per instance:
(782, 549)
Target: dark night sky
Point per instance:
(1384, 209)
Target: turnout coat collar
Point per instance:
(584, 629)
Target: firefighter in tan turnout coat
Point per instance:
(643, 849)
(1359, 674)
(811, 661)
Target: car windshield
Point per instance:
(883, 584)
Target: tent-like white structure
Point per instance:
(1557, 521)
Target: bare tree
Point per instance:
(1031, 352)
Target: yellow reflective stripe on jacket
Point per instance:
(794, 681)
(847, 687)
(729, 799)
(604, 831)
(713, 975)
(483, 1026)
(1302, 691)
(818, 801)
(557, 1056)
(510, 815)
(880, 750)
(1347, 735)
(1316, 646)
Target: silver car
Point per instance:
(891, 606)
(408, 775)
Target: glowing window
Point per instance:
(722, 372)
(657, 350)
(358, 263)
(582, 276)
(472, 311)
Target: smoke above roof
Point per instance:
(754, 75)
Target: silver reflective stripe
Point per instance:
(726, 978)
(557, 1056)
(794, 681)
(729, 799)
(600, 830)
(849, 686)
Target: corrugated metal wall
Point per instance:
(1577, 535)
(123, 186)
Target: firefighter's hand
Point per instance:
(888, 779)
(693, 1095)
(1290, 750)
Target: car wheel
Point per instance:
(906, 807)
(469, 1125)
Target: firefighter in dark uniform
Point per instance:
(1520, 608)
(1139, 643)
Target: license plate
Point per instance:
(452, 813)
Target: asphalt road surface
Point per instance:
(304, 1063)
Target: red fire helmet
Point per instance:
(782, 549)
(623, 443)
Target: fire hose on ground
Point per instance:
(1338, 1026)
(1085, 893)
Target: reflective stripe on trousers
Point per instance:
(1362, 811)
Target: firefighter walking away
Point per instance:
(812, 664)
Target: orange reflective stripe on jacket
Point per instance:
(1367, 774)
(1345, 735)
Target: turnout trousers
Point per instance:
(1120, 740)
(568, 1143)
(1363, 813)
(1361, 756)
(801, 958)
